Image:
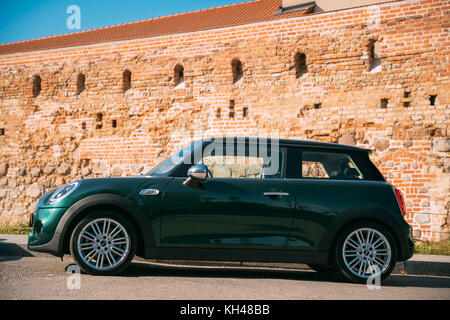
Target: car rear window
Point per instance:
(324, 164)
(329, 165)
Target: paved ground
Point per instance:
(44, 277)
(30, 275)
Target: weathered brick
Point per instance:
(62, 127)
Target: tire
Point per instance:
(324, 269)
(365, 259)
(103, 243)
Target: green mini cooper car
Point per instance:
(234, 199)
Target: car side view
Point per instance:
(234, 199)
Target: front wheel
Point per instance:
(103, 243)
(365, 251)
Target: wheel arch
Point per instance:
(355, 215)
(118, 204)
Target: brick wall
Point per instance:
(59, 135)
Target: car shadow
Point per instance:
(148, 269)
(12, 251)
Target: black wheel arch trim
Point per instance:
(110, 200)
(359, 213)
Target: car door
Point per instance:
(238, 207)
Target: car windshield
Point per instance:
(168, 165)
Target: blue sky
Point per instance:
(30, 19)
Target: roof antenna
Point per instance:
(339, 128)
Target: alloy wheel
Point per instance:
(365, 252)
(103, 244)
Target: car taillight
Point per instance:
(400, 200)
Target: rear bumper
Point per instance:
(406, 249)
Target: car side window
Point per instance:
(329, 165)
(313, 169)
(234, 166)
(241, 164)
(311, 164)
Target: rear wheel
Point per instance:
(365, 250)
(103, 243)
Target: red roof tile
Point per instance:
(212, 18)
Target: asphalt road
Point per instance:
(45, 277)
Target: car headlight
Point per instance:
(62, 192)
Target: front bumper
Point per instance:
(32, 216)
(43, 237)
(54, 246)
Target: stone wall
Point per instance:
(69, 131)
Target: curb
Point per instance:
(429, 268)
(432, 265)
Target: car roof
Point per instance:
(295, 143)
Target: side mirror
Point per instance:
(196, 173)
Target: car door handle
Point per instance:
(276, 194)
(149, 192)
